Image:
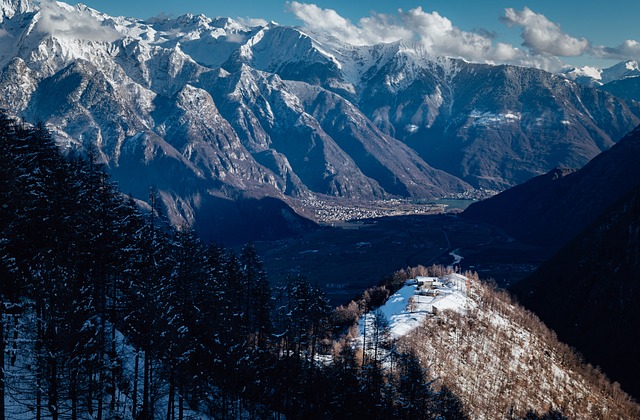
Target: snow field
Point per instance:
(408, 308)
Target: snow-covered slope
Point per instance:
(408, 308)
(587, 75)
(622, 70)
(593, 76)
(621, 80)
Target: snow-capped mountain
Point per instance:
(622, 70)
(592, 76)
(621, 80)
(210, 109)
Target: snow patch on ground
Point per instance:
(411, 128)
(425, 296)
(491, 119)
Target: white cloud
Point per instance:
(442, 37)
(543, 36)
(544, 42)
(383, 28)
(435, 32)
(252, 22)
(63, 20)
(628, 50)
(439, 35)
(375, 29)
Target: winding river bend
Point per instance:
(456, 257)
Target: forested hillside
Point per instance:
(500, 358)
(108, 313)
(474, 340)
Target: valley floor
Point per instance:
(346, 260)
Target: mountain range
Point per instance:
(621, 80)
(214, 113)
(592, 76)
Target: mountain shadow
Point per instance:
(551, 209)
(589, 293)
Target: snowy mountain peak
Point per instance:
(10, 8)
(228, 24)
(621, 71)
(195, 20)
(584, 75)
(592, 76)
(195, 24)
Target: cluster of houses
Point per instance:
(435, 294)
(426, 286)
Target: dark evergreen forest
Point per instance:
(109, 313)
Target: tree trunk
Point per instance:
(152, 396)
(2, 345)
(180, 402)
(73, 392)
(101, 343)
(39, 360)
(90, 386)
(114, 355)
(364, 339)
(53, 389)
(134, 403)
(14, 346)
(172, 392)
(145, 387)
(376, 339)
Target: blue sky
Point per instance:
(542, 33)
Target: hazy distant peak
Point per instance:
(228, 24)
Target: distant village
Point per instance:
(326, 212)
(329, 211)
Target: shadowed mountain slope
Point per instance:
(551, 209)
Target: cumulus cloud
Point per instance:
(252, 22)
(544, 36)
(544, 42)
(435, 32)
(371, 30)
(439, 35)
(629, 49)
(66, 21)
